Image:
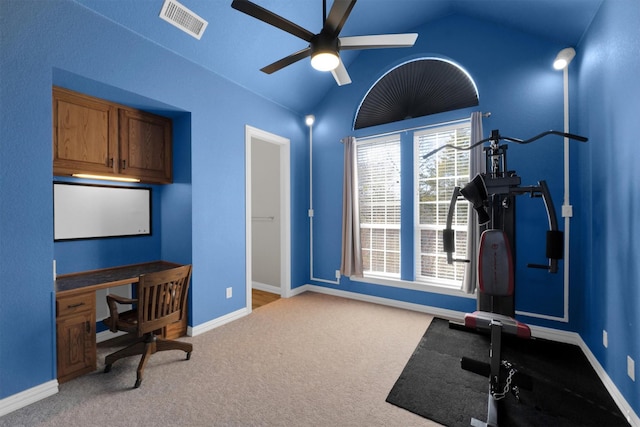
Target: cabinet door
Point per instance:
(85, 133)
(76, 345)
(145, 146)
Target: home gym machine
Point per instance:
(492, 195)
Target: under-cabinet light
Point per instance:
(104, 177)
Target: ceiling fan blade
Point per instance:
(378, 41)
(341, 75)
(294, 57)
(271, 18)
(338, 16)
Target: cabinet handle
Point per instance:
(110, 162)
(124, 164)
(75, 305)
(88, 326)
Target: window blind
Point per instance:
(379, 199)
(436, 178)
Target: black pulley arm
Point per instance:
(495, 137)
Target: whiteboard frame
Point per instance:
(93, 211)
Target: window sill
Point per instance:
(416, 286)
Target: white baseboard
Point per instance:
(439, 312)
(27, 397)
(623, 405)
(192, 331)
(299, 290)
(267, 288)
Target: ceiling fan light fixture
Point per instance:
(324, 53)
(324, 48)
(325, 61)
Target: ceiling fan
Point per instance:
(325, 46)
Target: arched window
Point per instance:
(414, 89)
(413, 256)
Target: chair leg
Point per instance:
(132, 350)
(150, 348)
(162, 345)
(146, 346)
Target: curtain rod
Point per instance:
(450, 122)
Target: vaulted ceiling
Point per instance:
(236, 46)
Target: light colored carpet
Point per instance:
(310, 360)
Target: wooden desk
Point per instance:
(76, 313)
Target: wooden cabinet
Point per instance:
(94, 136)
(76, 335)
(145, 145)
(85, 134)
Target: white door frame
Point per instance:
(252, 133)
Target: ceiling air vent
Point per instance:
(181, 17)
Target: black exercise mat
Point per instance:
(566, 390)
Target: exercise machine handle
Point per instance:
(448, 234)
(555, 237)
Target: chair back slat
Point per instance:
(162, 298)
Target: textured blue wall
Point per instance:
(608, 103)
(62, 42)
(517, 84)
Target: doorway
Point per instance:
(268, 222)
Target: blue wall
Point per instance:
(517, 84)
(608, 103)
(60, 42)
(63, 43)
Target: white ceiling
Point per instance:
(236, 46)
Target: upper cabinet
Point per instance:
(94, 136)
(145, 145)
(85, 134)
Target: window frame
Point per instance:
(391, 139)
(408, 280)
(439, 254)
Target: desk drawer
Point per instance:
(75, 304)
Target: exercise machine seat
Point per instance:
(483, 320)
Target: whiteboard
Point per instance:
(85, 211)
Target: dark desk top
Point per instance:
(107, 277)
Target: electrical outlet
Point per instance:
(229, 292)
(338, 274)
(605, 339)
(631, 368)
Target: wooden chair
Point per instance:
(161, 301)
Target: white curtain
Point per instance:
(477, 166)
(351, 261)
